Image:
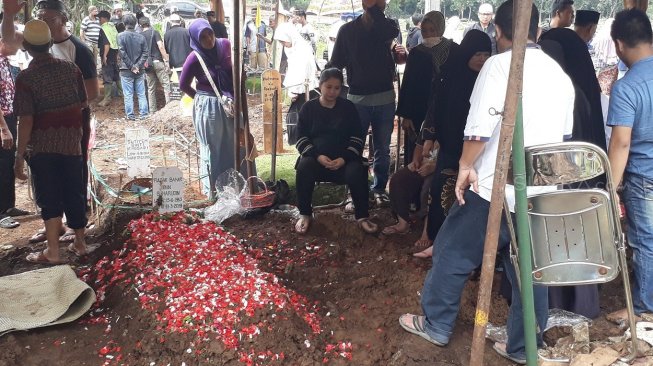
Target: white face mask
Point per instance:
(431, 41)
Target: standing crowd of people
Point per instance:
(445, 101)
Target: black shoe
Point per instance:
(14, 212)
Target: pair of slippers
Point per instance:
(66, 236)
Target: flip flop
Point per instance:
(392, 230)
(368, 226)
(72, 249)
(16, 212)
(416, 326)
(424, 254)
(9, 223)
(502, 352)
(40, 258)
(67, 236)
(422, 244)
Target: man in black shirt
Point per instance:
(177, 43)
(109, 56)
(365, 48)
(219, 29)
(156, 70)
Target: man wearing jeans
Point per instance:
(157, 72)
(133, 55)
(364, 48)
(458, 247)
(631, 147)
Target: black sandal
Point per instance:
(367, 225)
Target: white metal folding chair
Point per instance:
(576, 234)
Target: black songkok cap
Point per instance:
(587, 17)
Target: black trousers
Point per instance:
(353, 174)
(7, 178)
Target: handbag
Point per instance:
(227, 103)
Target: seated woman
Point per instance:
(445, 123)
(330, 142)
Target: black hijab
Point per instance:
(574, 58)
(452, 104)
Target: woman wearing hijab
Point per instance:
(445, 124)
(565, 46)
(423, 71)
(214, 129)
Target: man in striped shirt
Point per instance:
(89, 31)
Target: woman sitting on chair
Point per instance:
(330, 142)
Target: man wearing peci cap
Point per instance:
(485, 24)
(50, 99)
(219, 29)
(117, 17)
(586, 23)
(65, 47)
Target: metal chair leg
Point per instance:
(629, 304)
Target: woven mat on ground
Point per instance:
(42, 298)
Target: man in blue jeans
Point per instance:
(134, 52)
(364, 47)
(631, 147)
(548, 102)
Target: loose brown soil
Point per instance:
(361, 283)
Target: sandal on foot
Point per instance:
(368, 226)
(500, 348)
(16, 212)
(393, 230)
(426, 253)
(301, 227)
(67, 236)
(40, 236)
(40, 258)
(349, 207)
(422, 244)
(415, 325)
(9, 223)
(72, 249)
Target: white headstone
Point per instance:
(168, 189)
(137, 152)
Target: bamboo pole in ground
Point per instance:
(521, 19)
(237, 76)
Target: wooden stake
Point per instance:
(521, 16)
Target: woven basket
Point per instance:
(251, 200)
(129, 195)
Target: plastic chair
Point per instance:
(576, 234)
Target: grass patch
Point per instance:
(285, 169)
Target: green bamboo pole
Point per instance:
(524, 238)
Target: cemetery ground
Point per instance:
(332, 296)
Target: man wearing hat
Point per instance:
(117, 17)
(586, 23)
(65, 47)
(219, 29)
(485, 24)
(50, 102)
(177, 44)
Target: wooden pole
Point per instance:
(218, 8)
(248, 147)
(237, 76)
(639, 4)
(521, 20)
(275, 131)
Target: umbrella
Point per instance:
(330, 7)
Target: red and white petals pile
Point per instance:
(197, 278)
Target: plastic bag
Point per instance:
(557, 318)
(229, 187)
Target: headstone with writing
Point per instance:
(175, 91)
(271, 81)
(137, 152)
(168, 189)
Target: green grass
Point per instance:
(285, 169)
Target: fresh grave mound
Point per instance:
(202, 282)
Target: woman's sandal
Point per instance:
(368, 226)
(393, 230)
(302, 225)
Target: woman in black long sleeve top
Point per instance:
(331, 143)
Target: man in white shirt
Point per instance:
(459, 243)
(305, 29)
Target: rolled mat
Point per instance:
(42, 298)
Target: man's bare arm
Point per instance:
(9, 33)
(618, 152)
